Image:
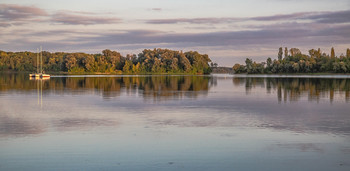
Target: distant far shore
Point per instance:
(294, 62)
(96, 73)
(149, 61)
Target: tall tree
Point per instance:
(294, 51)
(285, 52)
(127, 66)
(269, 62)
(332, 53)
(348, 53)
(280, 53)
(312, 53)
(249, 65)
(319, 53)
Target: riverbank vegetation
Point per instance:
(149, 61)
(293, 61)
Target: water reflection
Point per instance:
(292, 89)
(157, 87)
(178, 87)
(74, 103)
(194, 121)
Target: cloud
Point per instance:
(280, 17)
(266, 36)
(192, 20)
(11, 12)
(322, 17)
(18, 14)
(77, 18)
(156, 9)
(4, 24)
(332, 17)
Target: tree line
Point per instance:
(112, 62)
(293, 61)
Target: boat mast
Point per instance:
(41, 56)
(37, 60)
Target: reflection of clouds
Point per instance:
(195, 118)
(66, 124)
(10, 126)
(345, 150)
(251, 113)
(62, 114)
(76, 104)
(25, 126)
(302, 147)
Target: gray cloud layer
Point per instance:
(17, 14)
(273, 35)
(323, 17)
(76, 19)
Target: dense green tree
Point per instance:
(319, 53)
(136, 68)
(238, 68)
(199, 62)
(71, 62)
(332, 53)
(294, 51)
(127, 66)
(249, 65)
(89, 63)
(269, 62)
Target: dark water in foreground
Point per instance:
(215, 122)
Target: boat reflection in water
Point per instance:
(39, 83)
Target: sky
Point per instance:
(229, 31)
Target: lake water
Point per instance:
(218, 122)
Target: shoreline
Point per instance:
(323, 75)
(98, 73)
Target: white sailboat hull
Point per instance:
(39, 75)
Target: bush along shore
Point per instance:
(156, 61)
(293, 61)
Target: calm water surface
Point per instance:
(217, 122)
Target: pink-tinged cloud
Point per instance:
(156, 9)
(193, 20)
(18, 12)
(80, 19)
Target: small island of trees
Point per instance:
(293, 61)
(159, 61)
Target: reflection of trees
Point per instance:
(147, 86)
(178, 86)
(291, 89)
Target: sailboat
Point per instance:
(40, 74)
